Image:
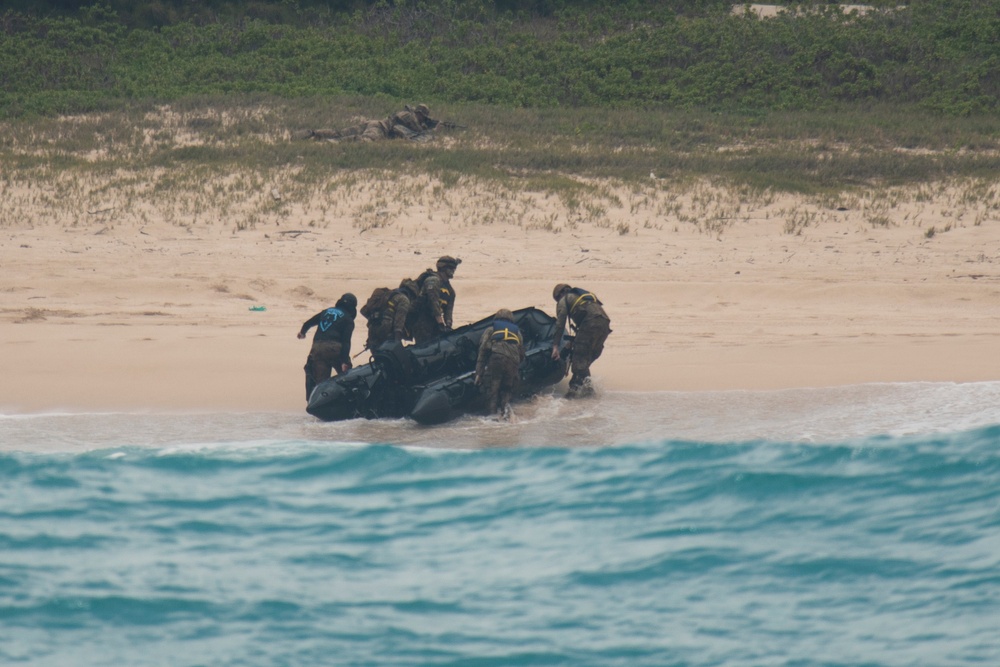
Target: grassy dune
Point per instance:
(234, 163)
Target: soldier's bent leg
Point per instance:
(587, 347)
(324, 355)
(401, 132)
(310, 382)
(373, 131)
(320, 370)
(502, 370)
(508, 386)
(492, 392)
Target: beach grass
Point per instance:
(235, 162)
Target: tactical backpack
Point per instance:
(376, 302)
(412, 287)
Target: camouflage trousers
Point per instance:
(323, 358)
(588, 344)
(369, 130)
(500, 380)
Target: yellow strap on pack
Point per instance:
(583, 298)
(505, 335)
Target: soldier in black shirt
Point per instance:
(331, 346)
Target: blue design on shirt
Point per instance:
(329, 317)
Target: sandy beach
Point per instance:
(110, 309)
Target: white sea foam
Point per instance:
(816, 415)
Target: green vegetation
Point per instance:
(190, 106)
(814, 152)
(941, 55)
(230, 162)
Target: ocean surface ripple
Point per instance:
(880, 549)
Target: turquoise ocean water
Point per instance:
(848, 526)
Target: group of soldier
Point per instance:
(501, 347)
(421, 309)
(410, 123)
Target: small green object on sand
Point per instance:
(258, 308)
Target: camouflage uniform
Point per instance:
(369, 130)
(592, 326)
(432, 314)
(406, 124)
(410, 123)
(390, 324)
(501, 351)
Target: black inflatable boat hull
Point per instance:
(434, 382)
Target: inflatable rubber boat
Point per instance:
(434, 382)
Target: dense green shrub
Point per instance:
(941, 54)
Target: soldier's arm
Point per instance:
(309, 324)
(345, 343)
(561, 314)
(432, 292)
(484, 353)
(449, 309)
(399, 319)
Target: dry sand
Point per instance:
(115, 310)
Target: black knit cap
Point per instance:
(348, 303)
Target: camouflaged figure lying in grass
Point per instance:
(406, 124)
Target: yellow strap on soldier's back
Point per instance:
(507, 334)
(583, 297)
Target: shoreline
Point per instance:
(152, 315)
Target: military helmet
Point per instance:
(448, 262)
(559, 290)
(423, 110)
(505, 315)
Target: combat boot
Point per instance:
(586, 388)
